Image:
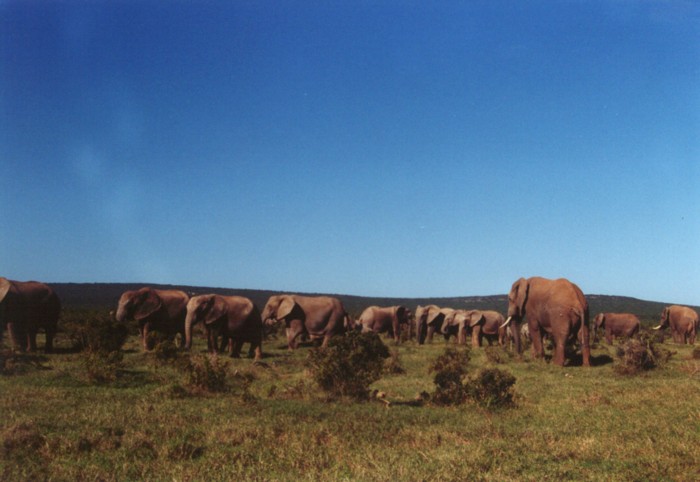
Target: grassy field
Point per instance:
(569, 423)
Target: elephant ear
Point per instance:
(149, 305)
(216, 308)
(401, 313)
(286, 307)
(476, 318)
(432, 316)
(520, 289)
(601, 319)
(5, 286)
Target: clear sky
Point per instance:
(378, 148)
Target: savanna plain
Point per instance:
(70, 416)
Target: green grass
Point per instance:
(569, 423)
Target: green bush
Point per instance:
(349, 364)
(207, 373)
(102, 367)
(449, 369)
(95, 332)
(497, 355)
(640, 354)
(490, 388)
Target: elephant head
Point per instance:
(664, 319)
(517, 299)
(278, 308)
(426, 317)
(5, 286)
(598, 323)
(139, 305)
(208, 309)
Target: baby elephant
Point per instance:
(617, 324)
(235, 318)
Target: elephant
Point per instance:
(160, 310)
(385, 320)
(683, 322)
(556, 307)
(235, 318)
(616, 324)
(25, 307)
(429, 319)
(314, 316)
(456, 323)
(481, 324)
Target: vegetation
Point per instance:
(273, 422)
(639, 354)
(349, 365)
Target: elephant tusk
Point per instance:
(657, 327)
(507, 322)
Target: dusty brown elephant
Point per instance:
(160, 310)
(486, 324)
(429, 319)
(387, 319)
(556, 307)
(616, 324)
(456, 324)
(683, 322)
(26, 307)
(235, 318)
(315, 316)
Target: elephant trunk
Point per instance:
(147, 344)
(189, 323)
(121, 314)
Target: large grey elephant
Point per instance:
(429, 319)
(318, 317)
(159, 310)
(26, 307)
(616, 325)
(385, 320)
(235, 318)
(683, 322)
(556, 307)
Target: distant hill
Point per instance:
(106, 296)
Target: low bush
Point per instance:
(449, 368)
(497, 355)
(349, 364)
(490, 388)
(102, 367)
(393, 365)
(207, 373)
(95, 332)
(640, 354)
(695, 355)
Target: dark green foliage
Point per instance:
(640, 354)
(207, 373)
(449, 369)
(102, 367)
(497, 354)
(95, 331)
(393, 365)
(349, 364)
(490, 388)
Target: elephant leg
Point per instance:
(294, 329)
(236, 348)
(559, 350)
(429, 337)
(537, 347)
(50, 333)
(255, 351)
(16, 335)
(476, 340)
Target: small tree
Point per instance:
(490, 388)
(449, 369)
(349, 364)
(640, 354)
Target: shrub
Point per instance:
(349, 364)
(640, 354)
(95, 332)
(102, 367)
(393, 365)
(207, 373)
(695, 355)
(490, 388)
(497, 355)
(450, 368)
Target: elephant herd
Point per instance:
(537, 307)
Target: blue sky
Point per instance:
(374, 148)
